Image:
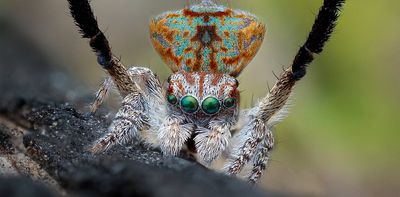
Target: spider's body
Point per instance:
(206, 46)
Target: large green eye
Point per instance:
(172, 99)
(189, 104)
(230, 102)
(210, 105)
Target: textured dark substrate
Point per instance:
(45, 140)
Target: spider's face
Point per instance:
(201, 96)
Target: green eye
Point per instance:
(189, 104)
(230, 102)
(172, 99)
(210, 105)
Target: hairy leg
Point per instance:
(261, 158)
(148, 82)
(250, 137)
(260, 122)
(143, 77)
(173, 134)
(136, 114)
(101, 94)
(212, 141)
(257, 128)
(130, 119)
(87, 23)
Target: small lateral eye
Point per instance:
(229, 102)
(169, 79)
(172, 99)
(237, 82)
(189, 104)
(210, 105)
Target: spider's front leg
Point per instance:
(141, 76)
(213, 140)
(261, 158)
(173, 134)
(130, 119)
(256, 135)
(137, 112)
(102, 94)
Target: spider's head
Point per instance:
(201, 96)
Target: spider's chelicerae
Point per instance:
(206, 46)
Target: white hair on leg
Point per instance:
(210, 143)
(173, 134)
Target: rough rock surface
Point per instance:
(45, 139)
(23, 187)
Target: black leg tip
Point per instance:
(299, 74)
(104, 62)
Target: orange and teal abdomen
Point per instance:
(208, 38)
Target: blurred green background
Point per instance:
(341, 138)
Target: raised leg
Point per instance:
(86, 21)
(136, 114)
(261, 158)
(129, 121)
(143, 77)
(251, 135)
(257, 127)
(101, 94)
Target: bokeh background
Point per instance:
(342, 136)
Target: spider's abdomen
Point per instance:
(207, 37)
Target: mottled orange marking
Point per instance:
(212, 32)
(169, 36)
(201, 82)
(189, 78)
(227, 34)
(206, 19)
(222, 89)
(216, 78)
(213, 61)
(235, 94)
(190, 13)
(186, 34)
(187, 50)
(224, 49)
(170, 89)
(231, 60)
(188, 62)
(169, 54)
(172, 15)
(180, 87)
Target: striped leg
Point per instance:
(143, 77)
(101, 94)
(129, 121)
(87, 23)
(261, 158)
(251, 134)
(137, 108)
(211, 142)
(257, 128)
(173, 134)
